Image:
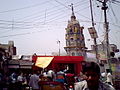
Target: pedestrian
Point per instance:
(103, 76)
(92, 80)
(34, 80)
(109, 77)
(13, 79)
(51, 75)
(20, 81)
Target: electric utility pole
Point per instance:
(104, 8)
(93, 32)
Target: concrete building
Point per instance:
(102, 47)
(102, 50)
(9, 48)
(6, 52)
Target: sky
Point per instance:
(35, 26)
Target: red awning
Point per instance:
(63, 59)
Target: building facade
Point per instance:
(102, 47)
(75, 43)
(9, 48)
(102, 50)
(6, 52)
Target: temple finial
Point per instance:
(72, 9)
(73, 15)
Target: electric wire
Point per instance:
(69, 8)
(19, 34)
(35, 5)
(27, 25)
(49, 9)
(53, 12)
(113, 12)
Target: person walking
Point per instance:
(20, 81)
(34, 80)
(109, 78)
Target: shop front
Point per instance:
(59, 63)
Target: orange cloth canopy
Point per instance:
(43, 62)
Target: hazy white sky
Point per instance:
(35, 26)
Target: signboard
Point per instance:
(93, 32)
(25, 62)
(26, 57)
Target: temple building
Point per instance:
(75, 43)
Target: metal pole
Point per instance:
(104, 8)
(59, 46)
(95, 42)
(106, 29)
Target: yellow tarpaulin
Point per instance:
(43, 62)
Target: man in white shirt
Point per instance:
(34, 80)
(109, 78)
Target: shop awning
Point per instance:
(43, 62)
(25, 67)
(13, 66)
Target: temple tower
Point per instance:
(75, 43)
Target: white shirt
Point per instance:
(34, 79)
(50, 73)
(82, 85)
(109, 78)
(20, 78)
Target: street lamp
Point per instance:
(58, 42)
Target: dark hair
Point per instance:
(112, 54)
(90, 66)
(108, 71)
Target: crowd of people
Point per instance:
(88, 79)
(13, 80)
(23, 80)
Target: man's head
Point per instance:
(92, 72)
(112, 54)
